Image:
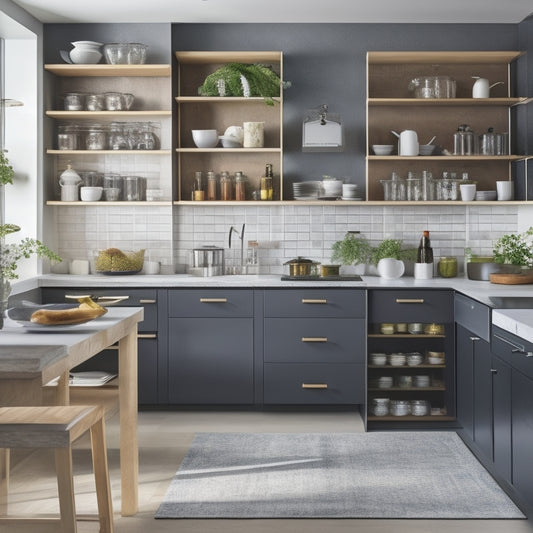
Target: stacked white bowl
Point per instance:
(350, 191)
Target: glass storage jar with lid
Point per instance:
(94, 102)
(117, 139)
(73, 101)
(96, 137)
(69, 137)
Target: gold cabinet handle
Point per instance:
(213, 300)
(314, 385)
(147, 335)
(314, 339)
(314, 301)
(409, 300)
(148, 301)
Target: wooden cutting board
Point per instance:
(512, 279)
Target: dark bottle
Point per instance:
(425, 252)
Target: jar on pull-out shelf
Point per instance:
(211, 186)
(240, 186)
(226, 186)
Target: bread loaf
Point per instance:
(77, 315)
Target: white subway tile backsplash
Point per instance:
(168, 233)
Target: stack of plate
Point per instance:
(306, 190)
(383, 382)
(350, 192)
(486, 195)
(422, 381)
(397, 359)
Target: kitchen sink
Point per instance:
(512, 302)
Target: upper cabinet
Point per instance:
(113, 121)
(401, 96)
(198, 112)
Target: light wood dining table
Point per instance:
(30, 358)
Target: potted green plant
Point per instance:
(353, 250)
(515, 249)
(11, 254)
(392, 248)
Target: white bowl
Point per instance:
(205, 138)
(91, 194)
(85, 56)
(383, 149)
(229, 142)
(389, 268)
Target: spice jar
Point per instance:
(198, 193)
(240, 186)
(211, 186)
(226, 186)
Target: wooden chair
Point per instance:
(57, 427)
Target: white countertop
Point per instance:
(518, 321)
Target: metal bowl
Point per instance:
(482, 271)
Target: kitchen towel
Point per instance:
(347, 475)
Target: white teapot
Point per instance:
(481, 88)
(69, 180)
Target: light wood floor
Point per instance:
(164, 438)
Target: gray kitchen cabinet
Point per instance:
(314, 347)
(149, 361)
(398, 308)
(483, 389)
(210, 347)
(517, 354)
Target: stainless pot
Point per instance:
(302, 267)
(207, 261)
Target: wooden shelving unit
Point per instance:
(200, 112)
(391, 106)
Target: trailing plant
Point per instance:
(6, 170)
(241, 79)
(392, 248)
(515, 249)
(11, 254)
(352, 250)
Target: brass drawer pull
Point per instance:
(409, 300)
(147, 335)
(314, 339)
(314, 301)
(147, 301)
(314, 385)
(213, 300)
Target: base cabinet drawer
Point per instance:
(223, 303)
(314, 340)
(410, 306)
(314, 384)
(319, 303)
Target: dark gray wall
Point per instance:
(326, 63)
(156, 36)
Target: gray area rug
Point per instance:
(346, 475)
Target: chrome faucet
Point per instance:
(241, 237)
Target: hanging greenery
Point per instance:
(240, 79)
(6, 170)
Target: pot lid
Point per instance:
(300, 260)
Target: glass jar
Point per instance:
(198, 193)
(73, 101)
(113, 187)
(420, 407)
(413, 189)
(211, 186)
(145, 138)
(117, 140)
(96, 138)
(91, 178)
(240, 186)
(68, 137)
(226, 186)
(95, 102)
(447, 267)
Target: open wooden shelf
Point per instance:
(109, 70)
(68, 115)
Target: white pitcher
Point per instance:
(481, 88)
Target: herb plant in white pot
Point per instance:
(353, 253)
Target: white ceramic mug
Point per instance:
(505, 190)
(423, 270)
(468, 191)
